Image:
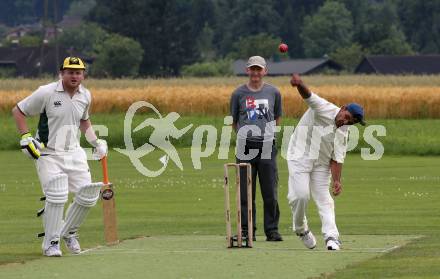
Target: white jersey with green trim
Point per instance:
(60, 115)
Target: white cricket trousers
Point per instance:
(73, 164)
(307, 177)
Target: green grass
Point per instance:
(397, 195)
(404, 136)
(199, 256)
(417, 260)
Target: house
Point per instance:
(33, 61)
(51, 33)
(284, 68)
(15, 33)
(21, 31)
(395, 65)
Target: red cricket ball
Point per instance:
(283, 48)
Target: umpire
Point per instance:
(256, 110)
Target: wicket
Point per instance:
(229, 238)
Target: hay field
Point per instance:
(382, 97)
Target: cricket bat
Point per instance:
(108, 207)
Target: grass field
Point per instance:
(172, 226)
(404, 136)
(388, 216)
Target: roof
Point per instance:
(21, 30)
(7, 62)
(28, 59)
(399, 64)
(70, 22)
(300, 66)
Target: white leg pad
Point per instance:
(78, 210)
(88, 195)
(56, 192)
(75, 215)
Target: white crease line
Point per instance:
(392, 249)
(207, 250)
(198, 250)
(190, 252)
(89, 250)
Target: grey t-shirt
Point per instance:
(255, 112)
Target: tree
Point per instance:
(348, 57)
(117, 56)
(238, 19)
(379, 30)
(421, 24)
(395, 44)
(30, 41)
(205, 44)
(252, 17)
(62, 7)
(223, 37)
(165, 30)
(80, 8)
(3, 31)
(83, 38)
(15, 12)
(292, 13)
(204, 19)
(261, 44)
(221, 67)
(327, 30)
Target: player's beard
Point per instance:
(73, 83)
(71, 86)
(339, 123)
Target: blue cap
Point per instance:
(357, 111)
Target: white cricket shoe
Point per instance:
(308, 239)
(53, 250)
(333, 244)
(72, 244)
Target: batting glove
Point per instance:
(100, 149)
(30, 146)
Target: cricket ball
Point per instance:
(283, 48)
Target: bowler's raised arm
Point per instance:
(297, 82)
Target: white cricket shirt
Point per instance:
(316, 137)
(60, 115)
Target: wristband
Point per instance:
(26, 135)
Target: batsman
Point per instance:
(61, 163)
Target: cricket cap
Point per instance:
(357, 111)
(256, 61)
(73, 63)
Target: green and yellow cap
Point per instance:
(73, 63)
